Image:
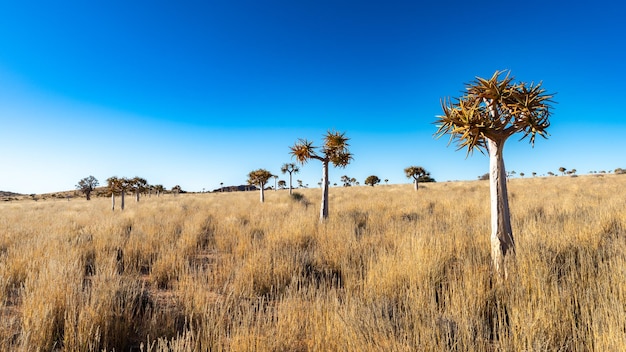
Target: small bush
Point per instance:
(300, 198)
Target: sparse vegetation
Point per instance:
(387, 271)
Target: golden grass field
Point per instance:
(391, 270)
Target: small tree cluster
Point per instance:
(348, 181)
(120, 185)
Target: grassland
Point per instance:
(391, 270)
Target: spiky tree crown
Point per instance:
(117, 184)
(495, 109)
(259, 177)
(138, 183)
(334, 150)
(289, 167)
(415, 171)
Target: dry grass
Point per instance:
(392, 270)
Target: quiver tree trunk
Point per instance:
(290, 184)
(324, 206)
(112, 201)
(262, 193)
(502, 243)
(122, 201)
(415, 185)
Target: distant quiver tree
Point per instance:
(115, 185)
(490, 111)
(139, 185)
(159, 189)
(372, 180)
(417, 173)
(335, 151)
(290, 168)
(87, 185)
(259, 177)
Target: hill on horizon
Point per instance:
(9, 194)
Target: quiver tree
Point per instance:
(348, 181)
(290, 168)
(159, 189)
(334, 150)
(139, 185)
(490, 111)
(177, 190)
(372, 180)
(87, 185)
(418, 173)
(115, 185)
(259, 177)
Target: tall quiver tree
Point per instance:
(113, 184)
(490, 111)
(120, 185)
(138, 185)
(290, 168)
(335, 151)
(259, 177)
(87, 185)
(416, 173)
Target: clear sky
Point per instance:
(201, 92)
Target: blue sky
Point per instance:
(201, 92)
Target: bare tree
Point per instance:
(334, 150)
(87, 185)
(490, 111)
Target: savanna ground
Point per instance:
(391, 270)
